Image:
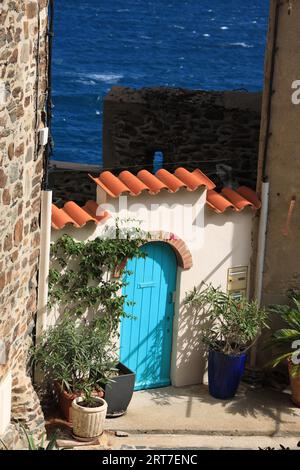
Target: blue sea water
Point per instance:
(198, 44)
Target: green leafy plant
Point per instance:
(233, 324)
(51, 445)
(82, 275)
(79, 355)
(287, 339)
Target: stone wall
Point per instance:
(211, 130)
(23, 75)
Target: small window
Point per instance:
(158, 161)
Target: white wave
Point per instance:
(241, 44)
(206, 35)
(178, 26)
(224, 27)
(105, 77)
(86, 82)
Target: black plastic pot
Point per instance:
(118, 393)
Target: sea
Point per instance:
(196, 44)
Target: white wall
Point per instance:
(227, 243)
(5, 402)
(220, 241)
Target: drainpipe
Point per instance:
(46, 197)
(261, 249)
(41, 321)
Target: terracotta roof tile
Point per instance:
(236, 199)
(171, 181)
(126, 182)
(78, 216)
(153, 184)
(111, 184)
(251, 195)
(134, 185)
(217, 202)
(195, 179)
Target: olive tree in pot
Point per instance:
(288, 340)
(233, 326)
(79, 357)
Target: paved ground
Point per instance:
(189, 418)
(184, 441)
(192, 410)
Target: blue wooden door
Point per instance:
(146, 340)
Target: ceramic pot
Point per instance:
(65, 400)
(224, 374)
(295, 386)
(88, 422)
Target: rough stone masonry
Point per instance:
(214, 130)
(23, 84)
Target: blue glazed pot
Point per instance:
(224, 374)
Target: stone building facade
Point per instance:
(23, 92)
(279, 160)
(212, 130)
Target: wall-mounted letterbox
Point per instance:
(237, 281)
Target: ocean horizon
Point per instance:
(205, 45)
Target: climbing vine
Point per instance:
(82, 275)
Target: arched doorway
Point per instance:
(146, 340)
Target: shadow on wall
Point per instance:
(191, 353)
(150, 367)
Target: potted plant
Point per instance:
(234, 324)
(77, 356)
(118, 392)
(88, 414)
(288, 339)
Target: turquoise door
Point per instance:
(146, 341)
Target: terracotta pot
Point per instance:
(65, 400)
(88, 422)
(295, 386)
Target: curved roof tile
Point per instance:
(75, 215)
(128, 183)
(217, 202)
(238, 201)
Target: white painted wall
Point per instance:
(220, 241)
(5, 402)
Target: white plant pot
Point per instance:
(88, 422)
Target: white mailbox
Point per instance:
(237, 281)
